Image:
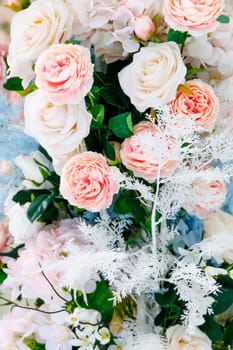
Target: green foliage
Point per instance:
(177, 36)
(39, 205)
(122, 125)
(33, 345)
(223, 19)
(3, 276)
(14, 84)
(212, 329)
(109, 151)
(191, 72)
(228, 334)
(171, 308)
(223, 300)
(25, 196)
(128, 203)
(13, 253)
(97, 112)
(167, 299)
(99, 300)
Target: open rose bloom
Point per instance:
(150, 153)
(153, 76)
(205, 196)
(194, 16)
(198, 102)
(88, 182)
(65, 73)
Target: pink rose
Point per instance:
(194, 16)
(88, 182)
(65, 73)
(198, 102)
(205, 196)
(150, 152)
(144, 27)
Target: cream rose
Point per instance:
(150, 153)
(153, 76)
(205, 196)
(199, 102)
(42, 24)
(177, 339)
(64, 72)
(194, 16)
(59, 129)
(219, 228)
(88, 182)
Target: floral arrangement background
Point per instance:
(115, 168)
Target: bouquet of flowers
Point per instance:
(117, 230)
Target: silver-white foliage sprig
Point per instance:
(194, 287)
(106, 234)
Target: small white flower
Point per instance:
(85, 343)
(214, 271)
(103, 335)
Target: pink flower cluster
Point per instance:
(110, 25)
(40, 253)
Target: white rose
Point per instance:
(178, 339)
(153, 76)
(219, 233)
(43, 23)
(30, 169)
(59, 129)
(20, 228)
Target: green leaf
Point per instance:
(54, 179)
(44, 152)
(3, 276)
(124, 203)
(122, 125)
(98, 116)
(192, 71)
(50, 215)
(25, 196)
(24, 3)
(212, 329)
(33, 345)
(100, 300)
(109, 151)
(228, 334)
(223, 19)
(226, 281)
(177, 36)
(38, 206)
(73, 41)
(166, 299)
(224, 300)
(13, 84)
(13, 253)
